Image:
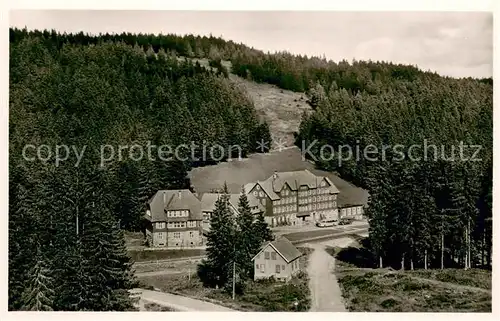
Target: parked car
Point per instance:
(345, 221)
(326, 223)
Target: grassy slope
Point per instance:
(281, 109)
(258, 167)
(384, 290)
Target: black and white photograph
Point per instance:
(250, 161)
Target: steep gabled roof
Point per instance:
(353, 196)
(284, 248)
(253, 202)
(208, 201)
(294, 180)
(266, 187)
(165, 200)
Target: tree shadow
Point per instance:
(358, 256)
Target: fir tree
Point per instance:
(261, 229)
(248, 242)
(39, 291)
(221, 240)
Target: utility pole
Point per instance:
(77, 220)
(234, 279)
(442, 241)
(468, 238)
(234, 271)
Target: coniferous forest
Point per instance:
(66, 250)
(66, 222)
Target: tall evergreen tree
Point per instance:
(261, 229)
(248, 242)
(39, 292)
(221, 243)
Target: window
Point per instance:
(191, 234)
(160, 225)
(292, 266)
(266, 255)
(255, 193)
(177, 235)
(277, 268)
(177, 224)
(191, 224)
(257, 187)
(334, 203)
(297, 264)
(261, 194)
(273, 256)
(160, 235)
(263, 201)
(262, 268)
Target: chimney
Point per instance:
(179, 194)
(164, 198)
(275, 175)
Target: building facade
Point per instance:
(351, 203)
(208, 201)
(174, 219)
(354, 212)
(279, 259)
(291, 198)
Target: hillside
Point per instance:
(368, 289)
(280, 108)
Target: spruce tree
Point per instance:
(106, 267)
(261, 229)
(39, 290)
(221, 240)
(248, 242)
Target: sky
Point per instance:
(456, 44)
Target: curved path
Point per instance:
(326, 295)
(177, 302)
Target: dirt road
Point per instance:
(177, 302)
(326, 295)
